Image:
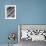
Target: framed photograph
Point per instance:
(31, 32)
(10, 11)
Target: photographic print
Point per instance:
(27, 34)
(10, 11)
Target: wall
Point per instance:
(27, 12)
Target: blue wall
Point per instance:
(27, 12)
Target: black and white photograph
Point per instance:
(31, 34)
(10, 11)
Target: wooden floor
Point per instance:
(30, 43)
(9, 45)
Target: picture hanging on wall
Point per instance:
(10, 11)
